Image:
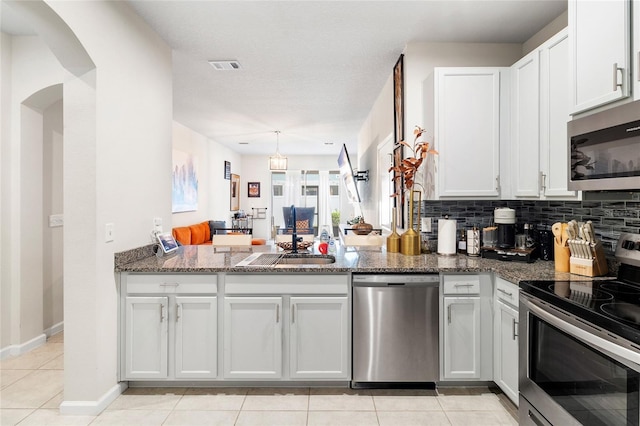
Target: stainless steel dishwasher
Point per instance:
(395, 329)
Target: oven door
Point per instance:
(573, 373)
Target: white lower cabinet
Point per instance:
(196, 333)
(286, 327)
(319, 338)
(192, 323)
(253, 337)
(462, 337)
(466, 327)
(169, 324)
(146, 338)
(506, 371)
(506, 338)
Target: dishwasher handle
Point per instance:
(407, 280)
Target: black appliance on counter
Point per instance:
(579, 360)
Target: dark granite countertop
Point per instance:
(204, 259)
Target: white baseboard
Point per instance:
(54, 329)
(15, 350)
(92, 408)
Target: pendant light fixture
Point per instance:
(277, 162)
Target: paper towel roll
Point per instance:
(447, 236)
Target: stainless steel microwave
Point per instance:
(604, 150)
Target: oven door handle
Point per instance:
(610, 348)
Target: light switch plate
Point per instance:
(56, 220)
(425, 224)
(109, 232)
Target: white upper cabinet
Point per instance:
(635, 57)
(600, 34)
(539, 116)
(463, 109)
(525, 125)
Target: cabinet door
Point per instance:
(468, 102)
(525, 129)
(146, 344)
(196, 337)
(600, 46)
(253, 337)
(461, 337)
(554, 115)
(319, 344)
(507, 351)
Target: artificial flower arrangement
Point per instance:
(409, 166)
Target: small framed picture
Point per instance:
(227, 170)
(235, 192)
(253, 189)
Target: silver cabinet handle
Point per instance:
(277, 314)
(543, 181)
(615, 77)
(498, 183)
(178, 312)
(161, 313)
(463, 285)
(534, 418)
(449, 314)
(505, 292)
(514, 328)
(293, 314)
(170, 284)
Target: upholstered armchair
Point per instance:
(304, 220)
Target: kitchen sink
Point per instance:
(275, 260)
(306, 259)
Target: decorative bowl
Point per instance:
(288, 245)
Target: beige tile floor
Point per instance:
(31, 390)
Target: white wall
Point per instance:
(52, 203)
(213, 189)
(28, 68)
(5, 189)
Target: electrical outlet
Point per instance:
(425, 225)
(157, 224)
(109, 232)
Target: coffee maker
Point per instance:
(505, 218)
(505, 244)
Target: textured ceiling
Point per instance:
(311, 69)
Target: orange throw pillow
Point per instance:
(182, 235)
(302, 224)
(198, 233)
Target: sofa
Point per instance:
(197, 234)
(201, 233)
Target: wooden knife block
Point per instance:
(593, 267)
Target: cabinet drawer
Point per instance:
(171, 283)
(461, 284)
(507, 292)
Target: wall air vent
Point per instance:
(225, 65)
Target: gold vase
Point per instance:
(410, 239)
(393, 240)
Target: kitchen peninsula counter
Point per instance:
(204, 259)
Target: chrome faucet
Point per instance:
(294, 234)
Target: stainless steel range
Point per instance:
(580, 356)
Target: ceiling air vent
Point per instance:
(225, 65)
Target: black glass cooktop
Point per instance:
(613, 305)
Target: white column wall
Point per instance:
(117, 169)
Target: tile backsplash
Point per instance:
(610, 218)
